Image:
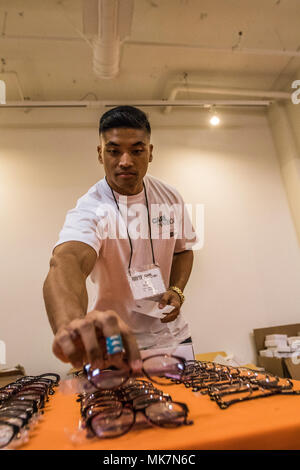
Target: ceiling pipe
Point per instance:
(107, 23)
(272, 95)
(221, 50)
(142, 103)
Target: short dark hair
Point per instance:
(126, 117)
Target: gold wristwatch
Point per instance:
(179, 292)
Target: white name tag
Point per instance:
(150, 308)
(146, 283)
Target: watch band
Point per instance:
(179, 292)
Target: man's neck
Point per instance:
(126, 191)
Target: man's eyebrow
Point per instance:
(136, 144)
(111, 143)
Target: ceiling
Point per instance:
(205, 42)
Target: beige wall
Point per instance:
(284, 119)
(246, 276)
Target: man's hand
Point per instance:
(83, 341)
(170, 298)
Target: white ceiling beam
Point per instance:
(141, 103)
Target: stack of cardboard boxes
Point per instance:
(278, 350)
(281, 346)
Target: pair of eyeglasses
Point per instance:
(165, 414)
(137, 394)
(43, 383)
(203, 382)
(224, 402)
(227, 385)
(157, 368)
(114, 415)
(21, 403)
(15, 424)
(8, 432)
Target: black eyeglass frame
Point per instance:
(126, 406)
(87, 371)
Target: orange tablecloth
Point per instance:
(268, 423)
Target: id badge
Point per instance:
(146, 282)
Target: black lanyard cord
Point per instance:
(149, 225)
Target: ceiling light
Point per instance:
(214, 120)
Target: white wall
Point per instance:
(283, 124)
(246, 276)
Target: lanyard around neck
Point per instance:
(149, 225)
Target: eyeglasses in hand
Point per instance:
(158, 368)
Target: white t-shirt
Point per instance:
(97, 221)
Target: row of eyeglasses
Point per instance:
(112, 413)
(227, 385)
(21, 405)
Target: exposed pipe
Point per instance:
(273, 95)
(143, 103)
(107, 23)
(35, 37)
(244, 50)
(222, 50)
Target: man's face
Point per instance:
(125, 154)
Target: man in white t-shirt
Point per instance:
(127, 224)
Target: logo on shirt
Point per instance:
(163, 220)
(167, 221)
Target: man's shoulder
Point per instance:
(162, 187)
(94, 195)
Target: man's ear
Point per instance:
(151, 155)
(99, 150)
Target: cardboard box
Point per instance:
(8, 376)
(283, 367)
(293, 369)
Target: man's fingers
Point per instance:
(132, 350)
(58, 352)
(164, 300)
(170, 316)
(68, 348)
(113, 325)
(84, 340)
(108, 322)
(94, 355)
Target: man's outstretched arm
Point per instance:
(80, 336)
